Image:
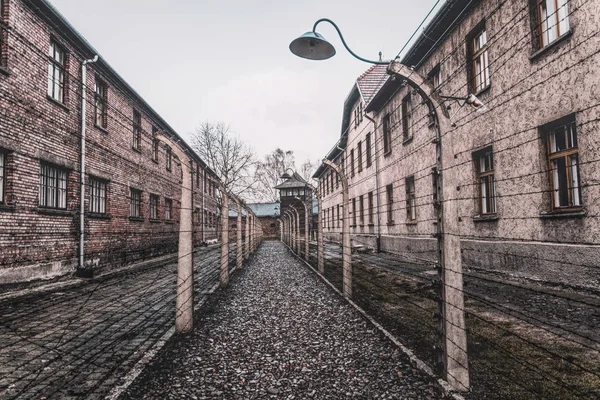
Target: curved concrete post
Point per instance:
(224, 268)
(346, 250)
(184, 304)
(238, 249)
(455, 357)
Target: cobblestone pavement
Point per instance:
(279, 332)
(79, 342)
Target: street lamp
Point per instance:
(314, 46)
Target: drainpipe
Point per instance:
(378, 223)
(81, 271)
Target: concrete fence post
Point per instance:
(247, 253)
(346, 250)
(320, 247)
(224, 270)
(454, 343)
(239, 256)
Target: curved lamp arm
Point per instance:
(344, 42)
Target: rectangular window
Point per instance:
(154, 199)
(135, 203)
(168, 209)
(390, 203)
(2, 177)
(53, 187)
(563, 159)
(387, 139)
(56, 72)
(553, 20)
(359, 153)
(407, 117)
(137, 130)
(435, 76)
(100, 103)
(368, 149)
(155, 143)
(352, 171)
(354, 211)
(331, 175)
(370, 201)
(361, 206)
(480, 69)
(339, 216)
(169, 158)
(411, 200)
(484, 163)
(358, 114)
(97, 196)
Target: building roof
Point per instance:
(296, 181)
(371, 81)
(45, 10)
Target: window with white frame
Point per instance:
(168, 209)
(480, 66)
(100, 103)
(553, 20)
(154, 200)
(56, 72)
(389, 189)
(387, 134)
(97, 195)
(136, 142)
(411, 199)
(407, 117)
(53, 187)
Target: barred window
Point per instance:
(97, 196)
(100, 103)
(154, 199)
(370, 197)
(563, 159)
(56, 72)
(553, 20)
(168, 209)
(359, 158)
(479, 60)
(352, 171)
(411, 200)
(2, 177)
(154, 144)
(361, 205)
(354, 211)
(135, 203)
(339, 215)
(486, 179)
(137, 130)
(53, 187)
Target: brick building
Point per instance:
(133, 181)
(268, 217)
(526, 164)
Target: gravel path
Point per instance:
(279, 332)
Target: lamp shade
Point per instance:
(312, 46)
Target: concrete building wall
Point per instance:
(37, 241)
(526, 238)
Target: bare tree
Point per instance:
(226, 155)
(307, 169)
(268, 173)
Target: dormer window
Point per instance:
(358, 114)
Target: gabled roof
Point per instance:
(296, 181)
(260, 209)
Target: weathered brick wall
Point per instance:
(35, 242)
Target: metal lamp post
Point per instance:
(314, 46)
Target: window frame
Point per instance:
(352, 163)
(407, 117)
(370, 214)
(475, 55)
(169, 159)
(100, 103)
(359, 156)
(387, 134)
(57, 190)
(547, 131)
(56, 65)
(539, 31)
(354, 211)
(97, 195)
(361, 209)
(155, 144)
(411, 199)
(135, 203)
(153, 207)
(368, 158)
(389, 189)
(491, 204)
(168, 211)
(136, 142)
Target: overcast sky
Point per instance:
(209, 60)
